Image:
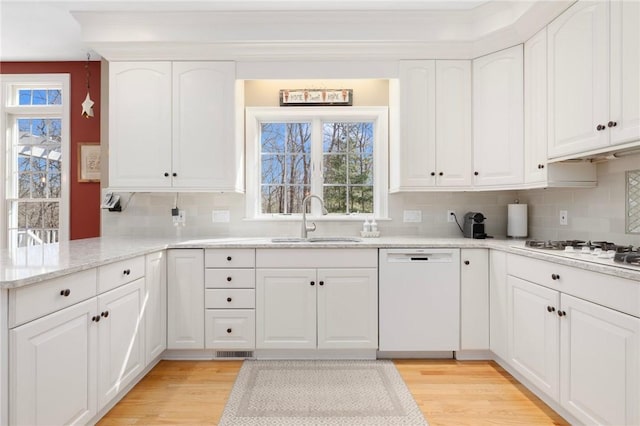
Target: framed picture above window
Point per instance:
(88, 162)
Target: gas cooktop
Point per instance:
(601, 252)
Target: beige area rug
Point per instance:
(301, 393)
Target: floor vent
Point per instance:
(234, 354)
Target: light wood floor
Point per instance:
(448, 392)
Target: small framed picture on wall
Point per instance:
(88, 162)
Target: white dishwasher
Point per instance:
(419, 300)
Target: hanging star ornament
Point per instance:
(87, 107)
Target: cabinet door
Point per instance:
(347, 308)
(534, 333)
(185, 299)
(414, 159)
(474, 299)
(453, 123)
(139, 124)
(52, 379)
(625, 71)
(535, 108)
(498, 148)
(578, 66)
(286, 308)
(600, 381)
(120, 339)
(155, 312)
(205, 152)
(498, 317)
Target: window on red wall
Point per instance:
(35, 120)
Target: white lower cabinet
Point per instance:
(185, 299)
(474, 299)
(498, 303)
(599, 363)
(582, 354)
(286, 309)
(120, 339)
(53, 373)
(155, 310)
(347, 308)
(230, 328)
(229, 300)
(533, 333)
(68, 365)
(317, 308)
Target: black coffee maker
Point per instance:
(474, 225)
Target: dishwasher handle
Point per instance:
(413, 256)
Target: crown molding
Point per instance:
(283, 35)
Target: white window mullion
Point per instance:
(316, 161)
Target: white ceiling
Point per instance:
(49, 30)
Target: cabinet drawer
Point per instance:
(31, 302)
(229, 329)
(614, 292)
(317, 258)
(229, 278)
(229, 298)
(229, 258)
(116, 274)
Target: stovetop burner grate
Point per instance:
(628, 255)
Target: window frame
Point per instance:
(10, 84)
(254, 116)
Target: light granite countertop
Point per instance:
(34, 264)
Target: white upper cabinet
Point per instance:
(453, 123)
(537, 172)
(172, 126)
(535, 108)
(413, 159)
(139, 124)
(498, 148)
(435, 126)
(625, 71)
(589, 109)
(205, 153)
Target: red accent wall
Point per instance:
(85, 197)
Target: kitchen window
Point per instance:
(337, 153)
(35, 122)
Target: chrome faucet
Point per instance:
(309, 228)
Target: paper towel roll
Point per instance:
(517, 220)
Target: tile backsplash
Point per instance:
(593, 213)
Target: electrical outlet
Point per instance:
(220, 216)
(450, 216)
(564, 217)
(412, 216)
(180, 218)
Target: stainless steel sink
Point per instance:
(317, 240)
(288, 240)
(334, 240)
